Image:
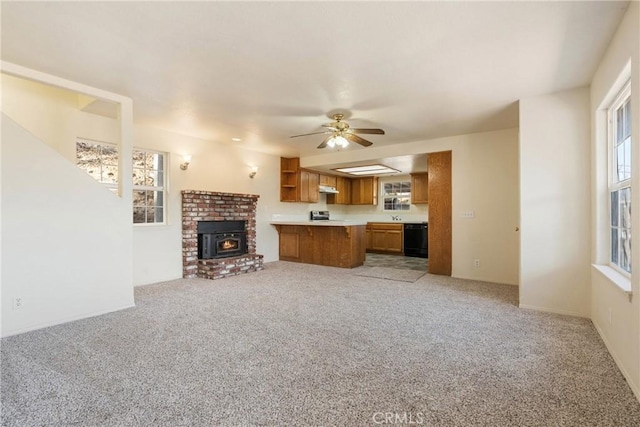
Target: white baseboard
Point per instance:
(475, 279)
(552, 310)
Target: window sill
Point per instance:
(620, 281)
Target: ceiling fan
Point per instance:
(340, 133)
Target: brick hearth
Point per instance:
(211, 206)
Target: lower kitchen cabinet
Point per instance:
(336, 246)
(385, 238)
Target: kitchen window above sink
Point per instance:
(396, 196)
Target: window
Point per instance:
(148, 187)
(619, 118)
(396, 196)
(100, 160)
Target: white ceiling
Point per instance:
(263, 71)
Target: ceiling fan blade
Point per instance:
(324, 143)
(330, 125)
(357, 139)
(368, 131)
(313, 133)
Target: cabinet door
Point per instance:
(386, 237)
(309, 191)
(314, 187)
(328, 180)
(344, 187)
(379, 240)
(364, 191)
(289, 246)
(419, 188)
(356, 191)
(394, 241)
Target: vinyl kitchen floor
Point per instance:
(396, 261)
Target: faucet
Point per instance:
(395, 218)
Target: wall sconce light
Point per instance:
(187, 159)
(254, 171)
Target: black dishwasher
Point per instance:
(415, 240)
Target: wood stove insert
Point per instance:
(221, 239)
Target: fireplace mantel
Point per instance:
(214, 206)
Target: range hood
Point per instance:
(328, 189)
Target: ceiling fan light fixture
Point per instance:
(341, 141)
(341, 134)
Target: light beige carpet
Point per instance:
(389, 273)
(306, 345)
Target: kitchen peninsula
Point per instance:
(332, 243)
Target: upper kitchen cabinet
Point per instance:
(309, 184)
(343, 185)
(364, 191)
(298, 185)
(330, 180)
(419, 188)
(289, 171)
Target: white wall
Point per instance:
(485, 180)
(555, 200)
(61, 238)
(47, 202)
(616, 318)
(52, 114)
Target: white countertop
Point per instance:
(330, 223)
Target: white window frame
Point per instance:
(614, 183)
(112, 186)
(162, 188)
(386, 195)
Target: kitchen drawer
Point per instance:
(385, 226)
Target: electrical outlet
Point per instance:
(476, 263)
(18, 302)
(467, 214)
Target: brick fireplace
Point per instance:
(205, 206)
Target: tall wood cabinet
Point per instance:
(419, 188)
